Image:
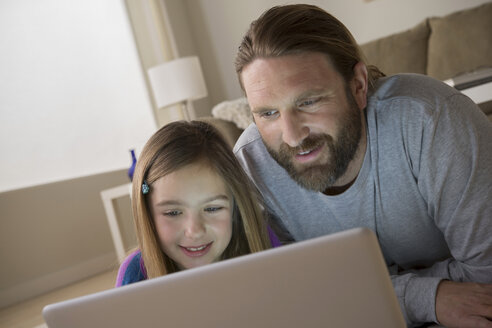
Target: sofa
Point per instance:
(441, 47)
(444, 48)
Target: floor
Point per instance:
(28, 314)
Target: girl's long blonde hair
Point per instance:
(183, 143)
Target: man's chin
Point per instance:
(310, 177)
(314, 178)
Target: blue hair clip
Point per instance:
(145, 188)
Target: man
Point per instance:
(336, 145)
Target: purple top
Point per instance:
(273, 237)
(133, 269)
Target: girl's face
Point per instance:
(192, 211)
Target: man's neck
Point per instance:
(337, 190)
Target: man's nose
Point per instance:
(194, 226)
(294, 131)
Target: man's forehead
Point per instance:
(265, 78)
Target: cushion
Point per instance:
(460, 42)
(236, 111)
(404, 52)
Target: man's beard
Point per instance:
(319, 177)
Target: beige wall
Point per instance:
(57, 233)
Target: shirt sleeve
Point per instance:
(455, 179)
(131, 270)
(416, 296)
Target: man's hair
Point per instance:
(295, 29)
(173, 147)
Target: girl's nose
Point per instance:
(194, 226)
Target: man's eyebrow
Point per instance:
(300, 97)
(261, 110)
(313, 93)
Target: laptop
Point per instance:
(338, 280)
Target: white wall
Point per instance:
(218, 26)
(73, 99)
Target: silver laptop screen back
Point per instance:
(333, 281)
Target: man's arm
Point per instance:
(456, 180)
(416, 296)
(457, 304)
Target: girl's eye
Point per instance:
(172, 213)
(213, 209)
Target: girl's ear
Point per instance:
(359, 85)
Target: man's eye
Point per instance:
(268, 114)
(308, 102)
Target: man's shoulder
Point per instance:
(412, 97)
(249, 138)
(412, 87)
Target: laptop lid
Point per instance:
(338, 280)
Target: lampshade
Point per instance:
(177, 81)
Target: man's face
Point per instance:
(307, 116)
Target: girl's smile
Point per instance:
(197, 251)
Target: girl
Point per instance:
(192, 204)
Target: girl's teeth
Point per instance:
(195, 249)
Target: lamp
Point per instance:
(178, 81)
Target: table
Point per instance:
(107, 197)
(480, 93)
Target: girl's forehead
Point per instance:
(197, 168)
(164, 166)
(196, 181)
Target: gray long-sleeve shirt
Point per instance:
(425, 188)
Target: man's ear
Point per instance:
(359, 85)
